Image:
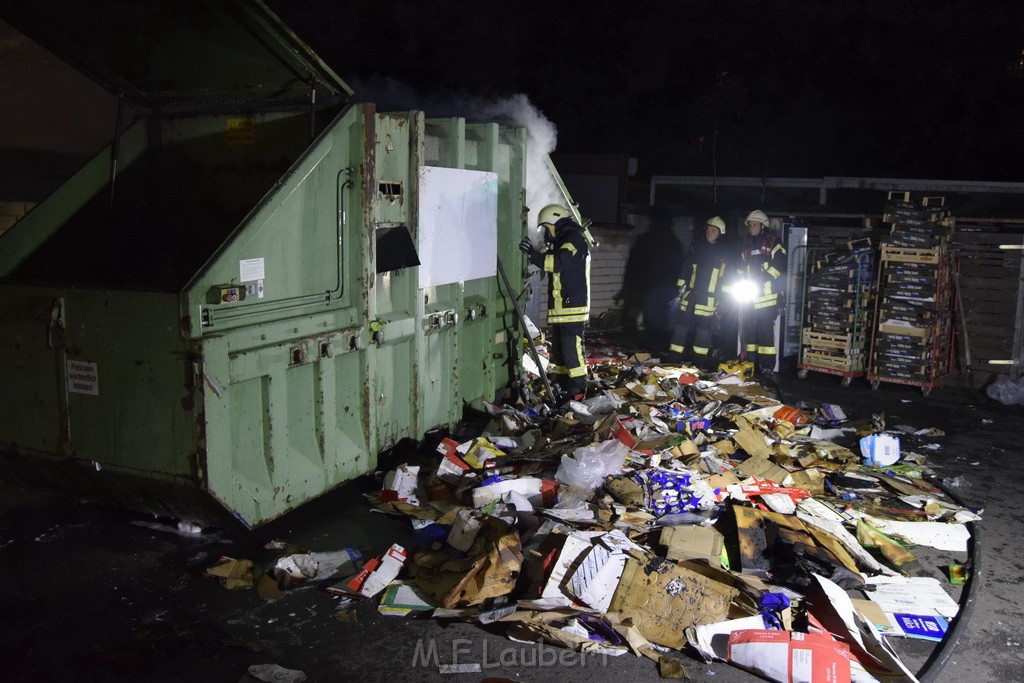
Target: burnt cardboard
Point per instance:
(663, 604)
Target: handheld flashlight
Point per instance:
(744, 291)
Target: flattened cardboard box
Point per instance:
(751, 440)
(662, 605)
(693, 543)
(762, 467)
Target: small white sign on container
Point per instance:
(251, 269)
(83, 378)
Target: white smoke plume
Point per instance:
(390, 94)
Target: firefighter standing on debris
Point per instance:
(567, 263)
(764, 266)
(699, 281)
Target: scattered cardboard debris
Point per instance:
(670, 507)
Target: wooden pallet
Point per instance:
(907, 330)
(908, 255)
(832, 341)
(851, 364)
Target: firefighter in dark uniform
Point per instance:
(567, 263)
(699, 283)
(764, 265)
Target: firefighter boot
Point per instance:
(576, 388)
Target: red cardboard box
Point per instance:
(791, 656)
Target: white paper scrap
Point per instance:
(583, 514)
(915, 595)
(464, 530)
(576, 544)
(940, 535)
(597, 576)
(712, 640)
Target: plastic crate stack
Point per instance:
(914, 318)
(837, 309)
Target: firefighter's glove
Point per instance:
(532, 255)
(680, 300)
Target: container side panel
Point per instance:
(295, 412)
(133, 407)
(31, 384)
(476, 371)
(344, 415)
(394, 298)
(292, 339)
(394, 390)
(100, 377)
(288, 257)
(510, 163)
(441, 147)
(440, 378)
(289, 418)
(488, 343)
(250, 409)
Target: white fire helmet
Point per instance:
(757, 215)
(717, 222)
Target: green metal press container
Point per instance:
(231, 319)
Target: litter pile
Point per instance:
(670, 511)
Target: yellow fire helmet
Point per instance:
(552, 213)
(717, 222)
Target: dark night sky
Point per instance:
(884, 88)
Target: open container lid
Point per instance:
(166, 54)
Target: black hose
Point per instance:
(934, 665)
(550, 398)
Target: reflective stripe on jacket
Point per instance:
(705, 267)
(764, 262)
(568, 263)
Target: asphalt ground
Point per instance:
(96, 593)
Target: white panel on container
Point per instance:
(458, 221)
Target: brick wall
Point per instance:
(607, 266)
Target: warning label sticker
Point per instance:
(83, 378)
(240, 131)
(251, 269)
